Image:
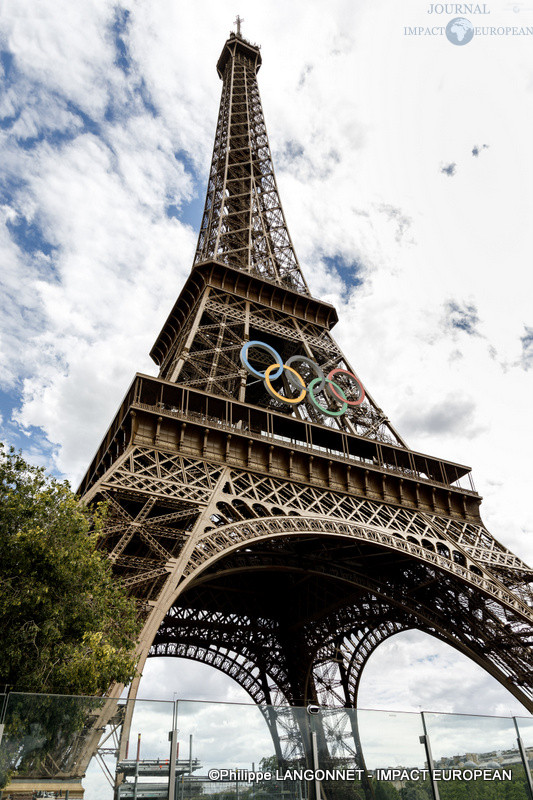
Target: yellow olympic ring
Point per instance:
(272, 392)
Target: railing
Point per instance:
(73, 747)
(296, 444)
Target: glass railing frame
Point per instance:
(170, 716)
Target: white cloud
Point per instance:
(412, 671)
(67, 49)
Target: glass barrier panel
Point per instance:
(54, 744)
(476, 756)
(382, 748)
(242, 751)
(525, 726)
(144, 769)
(48, 741)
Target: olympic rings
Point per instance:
(317, 385)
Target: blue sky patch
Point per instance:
(449, 169)
(7, 60)
(190, 212)
(462, 317)
(349, 271)
(29, 236)
(55, 138)
(527, 347)
(32, 440)
(119, 28)
(291, 151)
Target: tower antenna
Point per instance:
(238, 21)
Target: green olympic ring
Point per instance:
(315, 402)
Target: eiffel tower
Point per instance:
(264, 511)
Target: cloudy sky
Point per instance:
(405, 168)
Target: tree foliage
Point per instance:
(66, 625)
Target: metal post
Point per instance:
(431, 767)
(173, 739)
(137, 767)
(174, 754)
(3, 713)
(523, 756)
(314, 748)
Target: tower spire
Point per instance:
(238, 21)
(243, 224)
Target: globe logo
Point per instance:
(459, 31)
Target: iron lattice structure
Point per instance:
(243, 223)
(279, 544)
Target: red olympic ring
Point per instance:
(356, 379)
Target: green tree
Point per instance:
(66, 624)
(383, 790)
(415, 791)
